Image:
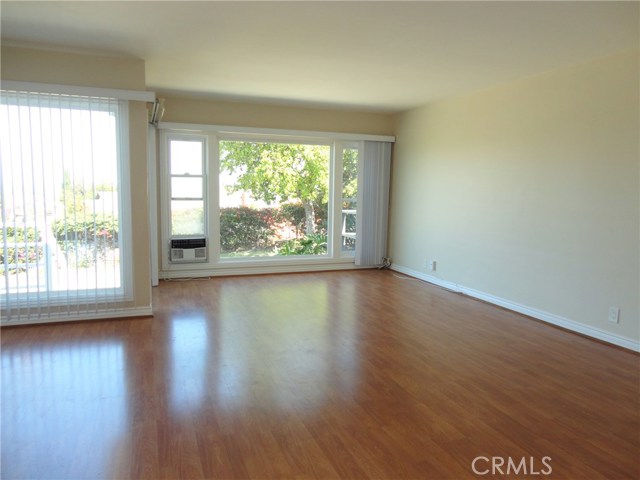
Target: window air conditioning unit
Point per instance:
(188, 250)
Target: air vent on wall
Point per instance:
(188, 250)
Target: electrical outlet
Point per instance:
(614, 314)
(432, 265)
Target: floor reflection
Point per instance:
(56, 400)
(230, 349)
(298, 376)
(284, 346)
(271, 345)
(190, 356)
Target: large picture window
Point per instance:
(241, 200)
(273, 199)
(62, 229)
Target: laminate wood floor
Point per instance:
(363, 374)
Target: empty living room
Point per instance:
(320, 239)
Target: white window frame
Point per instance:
(107, 296)
(340, 146)
(274, 139)
(214, 134)
(165, 189)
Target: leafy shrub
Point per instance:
(84, 239)
(90, 229)
(309, 245)
(17, 254)
(18, 235)
(293, 213)
(243, 228)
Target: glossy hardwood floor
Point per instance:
(332, 375)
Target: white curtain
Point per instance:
(373, 203)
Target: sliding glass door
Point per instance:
(61, 195)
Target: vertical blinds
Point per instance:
(373, 203)
(61, 170)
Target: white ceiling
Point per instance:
(385, 56)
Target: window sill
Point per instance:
(253, 267)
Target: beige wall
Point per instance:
(28, 65)
(529, 192)
(49, 66)
(240, 114)
(243, 114)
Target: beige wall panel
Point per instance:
(139, 203)
(529, 192)
(48, 66)
(239, 114)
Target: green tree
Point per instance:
(350, 173)
(280, 172)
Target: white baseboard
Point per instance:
(65, 317)
(427, 278)
(547, 317)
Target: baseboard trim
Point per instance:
(82, 316)
(427, 278)
(547, 317)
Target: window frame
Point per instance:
(203, 179)
(340, 148)
(166, 137)
(87, 296)
(334, 259)
(295, 140)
